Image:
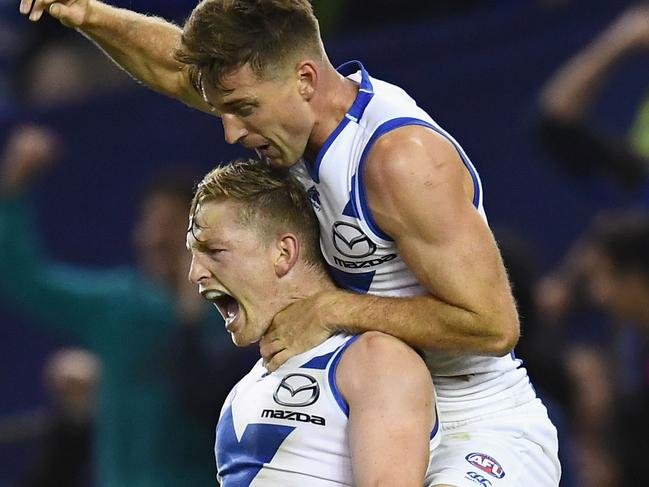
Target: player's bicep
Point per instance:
(421, 194)
(460, 264)
(391, 411)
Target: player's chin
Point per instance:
(282, 162)
(242, 339)
(239, 340)
(249, 333)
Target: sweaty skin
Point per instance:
(440, 235)
(263, 274)
(444, 241)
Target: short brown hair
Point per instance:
(223, 35)
(273, 199)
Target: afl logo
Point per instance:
(350, 241)
(486, 464)
(297, 390)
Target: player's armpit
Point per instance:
(391, 411)
(421, 194)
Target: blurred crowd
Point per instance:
(135, 402)
(165, 368)
(604, 358)
(48, 55)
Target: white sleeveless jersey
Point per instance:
(360, 256)
(289, 428)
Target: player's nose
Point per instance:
(233, 129)
(197, 271)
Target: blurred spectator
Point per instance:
(610, 264)
(63, 431)
(617, 265)
(604, 267)
(548, 371)
(568, 97)
(617, 275)
(594, 439)
(55, 66)
(129, 317)
(9, 47)
(50, 65)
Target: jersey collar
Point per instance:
(354, 114)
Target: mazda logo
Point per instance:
(350, 241)
(297, 390)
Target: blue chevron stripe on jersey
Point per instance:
(359, 282)
(241, 460)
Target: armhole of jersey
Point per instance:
(435, 438)
(333, 366)
(359, 196)
(434, 433)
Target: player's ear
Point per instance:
(307, 78)
(288, 248)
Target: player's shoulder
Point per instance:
(401, 142)
(407, 156)
(375, 350)
(375, 362)
(376, 341)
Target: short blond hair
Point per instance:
(273, 200)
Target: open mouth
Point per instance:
(226, 304)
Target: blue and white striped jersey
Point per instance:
(361, 257)
(288, 428)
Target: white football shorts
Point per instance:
(510, 448)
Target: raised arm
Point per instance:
(58, 296)
(142, 45)
(391, 411)
(563, 127)
(570, 93)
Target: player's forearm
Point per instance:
(144, 47)
(572, 90)
(426, 322)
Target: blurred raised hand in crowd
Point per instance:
(604, 271)
(135, 319)
(62, 432)
(566, 128)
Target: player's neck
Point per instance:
(305, 282)
(335, 96)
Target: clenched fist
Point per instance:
(29, 151)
